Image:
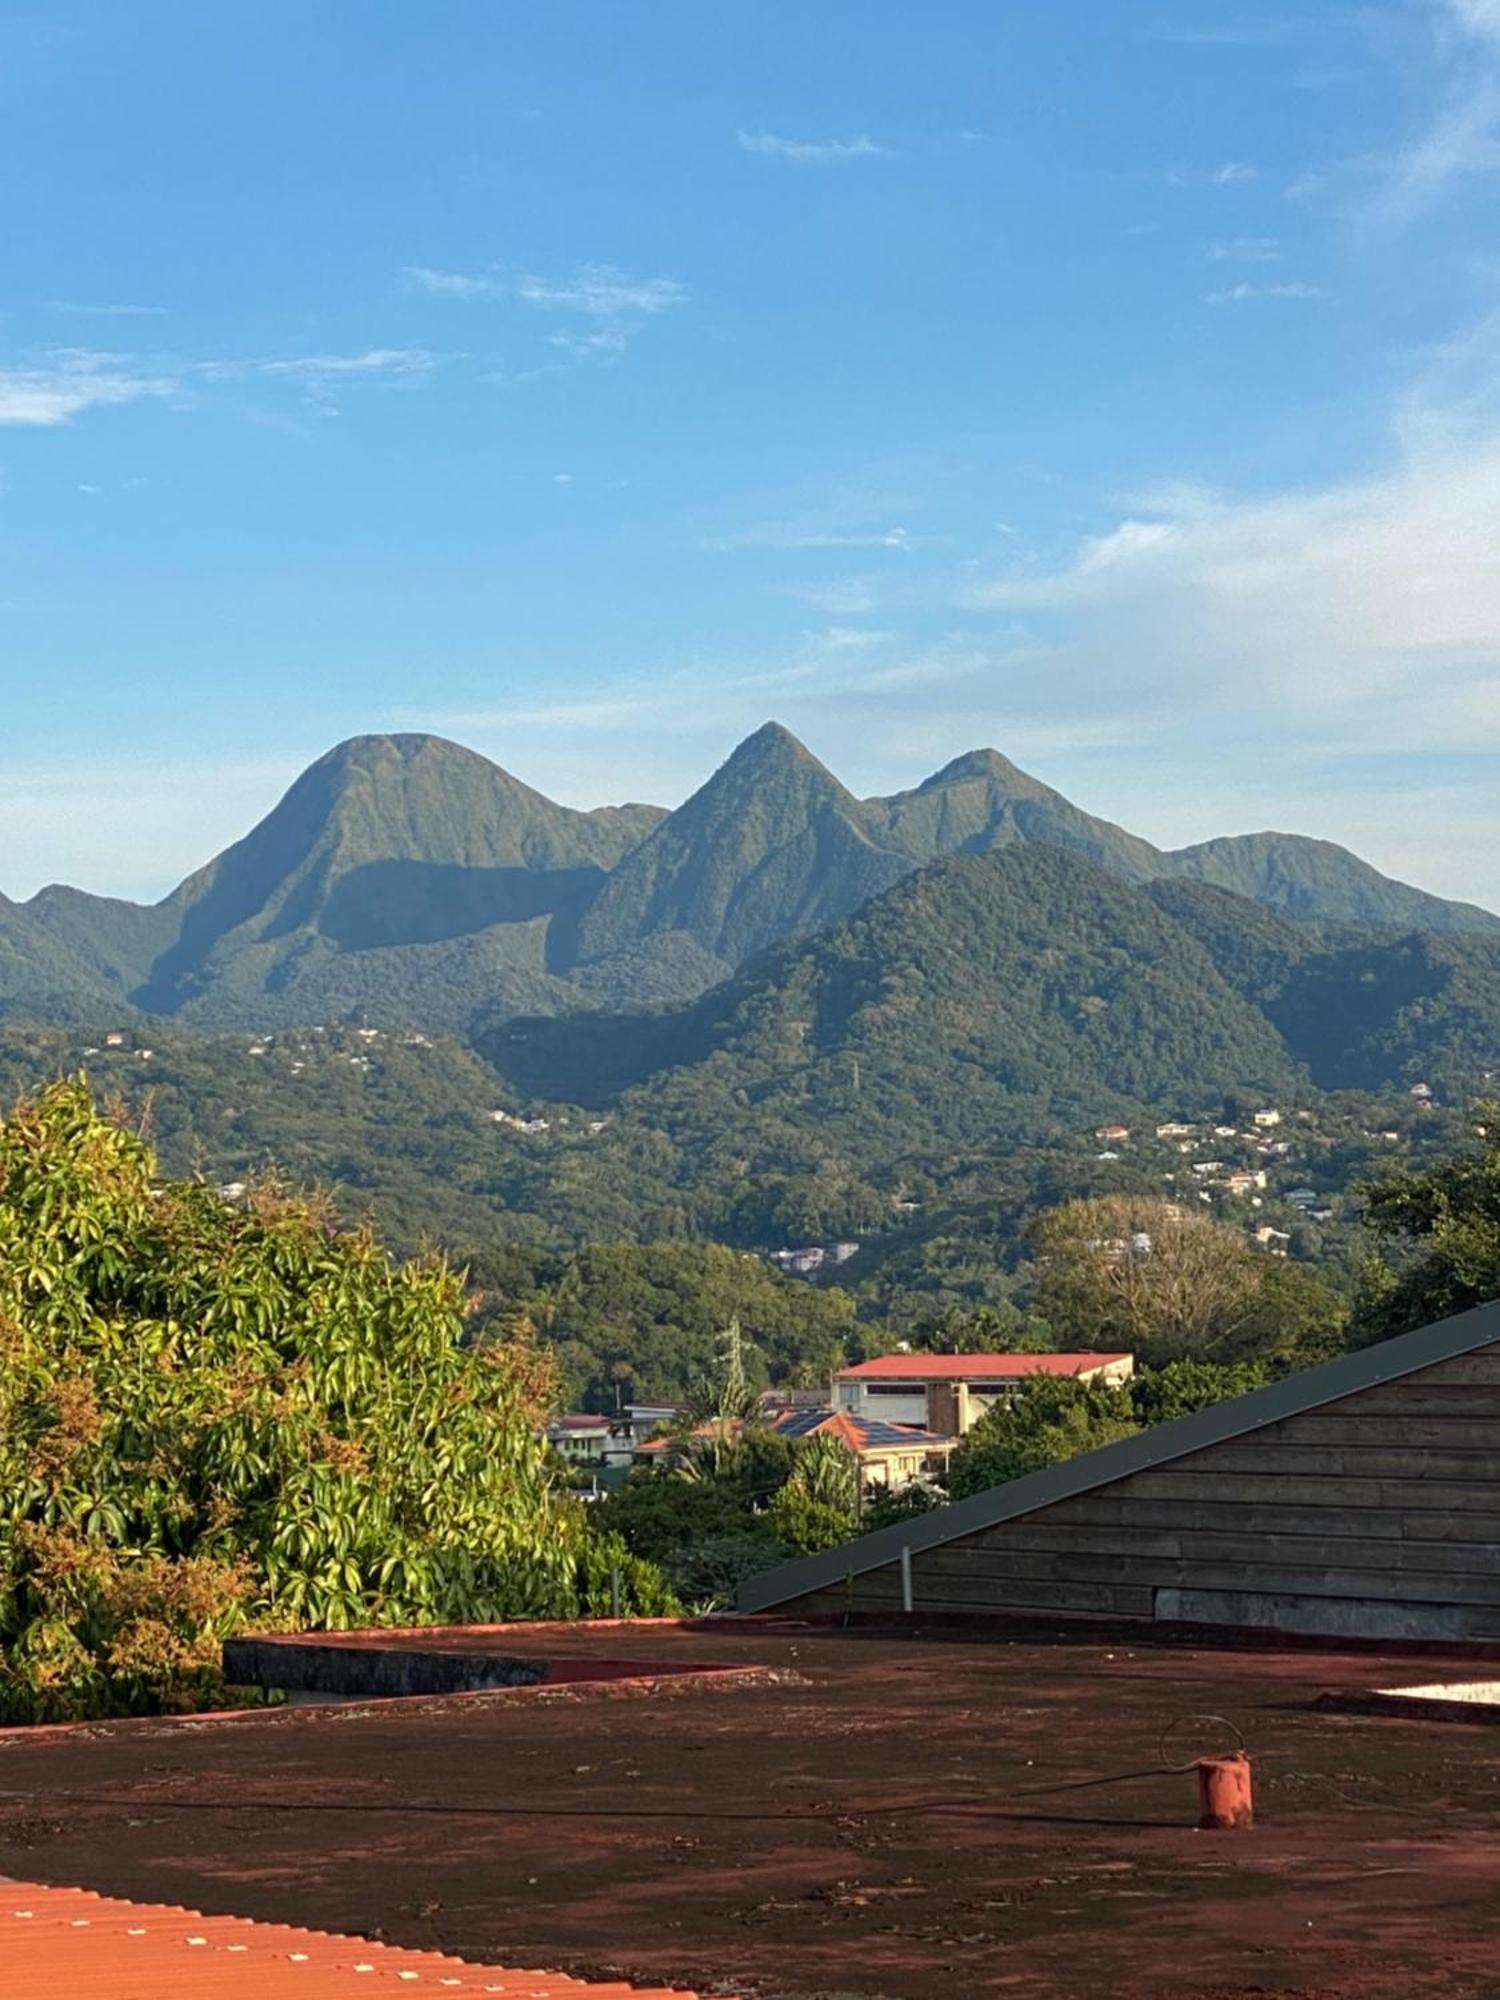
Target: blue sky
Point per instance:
(1113, 382)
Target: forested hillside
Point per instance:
(919, 1082)
(408, 882)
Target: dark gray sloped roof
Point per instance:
(1386, 1362)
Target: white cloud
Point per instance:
(602, 292)
(1293, 288)
(1247, 250)
(1477, 17)
(776, 536)
(840, 597)
(814, 152)
(105, 312)
(336, 367)
(1464, 139)
(1233, 173)
(64, 385)
(1362, 614)
(599, 291)
(320, 376)
(451, 284)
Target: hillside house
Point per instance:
(1175, 1129)
(1111, 1135)
(889, 1456)
(580, 1438)
(1266, 1119)
(947, 1394)
(1359, 1500)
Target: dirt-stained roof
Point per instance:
(914, 1817)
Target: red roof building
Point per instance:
(948, 1393)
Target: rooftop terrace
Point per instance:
(920, 1818)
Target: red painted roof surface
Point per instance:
(971, 1367)
(69, 1944)
(918, 1814)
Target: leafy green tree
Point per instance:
(1439, 1234)
(1052, 1418)
(1158, 1395)
(214, 1413)
(987, 1329)
(818, 1505)
(635, 1320)
(1297, 1320)
(1145, 1275)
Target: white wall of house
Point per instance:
(890, 1402)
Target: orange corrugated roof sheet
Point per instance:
(69, 1944)
(977, 1367)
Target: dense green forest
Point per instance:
(914, 1083)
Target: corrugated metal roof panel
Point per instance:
(918, 1368)
(69, 1944)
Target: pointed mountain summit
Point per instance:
(385, 844)
(410, 881)
(773, 845)
(982, 801)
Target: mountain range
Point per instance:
(407, 881)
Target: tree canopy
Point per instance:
(1440, 1239)
(1168, 1282)
(215, 1412)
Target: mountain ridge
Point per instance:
(411, 881)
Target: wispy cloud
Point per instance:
(1229, 173)
(779, 536)
(321, 376)
(1463, 140)
(338, 367)
(599, 291)
(605, 307)
(1246, 250)
(602, 292)
(452, 284)
(63, 385)
(841, 597)
(813, 152)
(106, 311)
(1370, 608)
(1293, 288)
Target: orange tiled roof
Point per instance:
(69, 1944)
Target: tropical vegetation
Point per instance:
(215, 1412)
